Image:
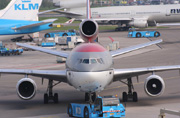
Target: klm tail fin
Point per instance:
(21, 10)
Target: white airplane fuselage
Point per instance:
(89, 67)
(140, 16)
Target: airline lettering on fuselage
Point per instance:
(175, 11)
(26, 5)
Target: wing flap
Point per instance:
(133, 48)
(48, 51)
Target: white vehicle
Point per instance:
(89, 68)
(137, 16)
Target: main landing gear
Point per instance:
(49, 95)
(90, 97)
(131, 93)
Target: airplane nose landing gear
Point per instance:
(90, 97)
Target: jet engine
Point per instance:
(26, 88)
(89, 30)
(139, 23)
(154, 85)
(70, 3)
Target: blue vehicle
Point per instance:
(7, 52)
(54, 34)
(108, 106)
(138, 34)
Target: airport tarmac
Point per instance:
(13, 107)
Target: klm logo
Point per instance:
(26, 5)
(175, 11)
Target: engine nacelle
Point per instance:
(89, 30)
(70, 3)
(139, 23)
(154, 85)
(26, 88)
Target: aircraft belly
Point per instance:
(90, 81)
(7, 37)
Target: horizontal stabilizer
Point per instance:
(48, 51)
(133, 48)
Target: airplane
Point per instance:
(89, 68)
(124, 16)
(20, 17)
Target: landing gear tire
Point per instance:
(138, 35)
(46, 98)
(86, 112)
(131, 93)
(70, 110)
(135, 97)
(56, 98)
(49, 95)
(125, 97)
(156, 34)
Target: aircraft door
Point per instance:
(168, 12)
(133, 14)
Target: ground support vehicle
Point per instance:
(138, 34)
(61, 34)
(108, 106)
(7, 52)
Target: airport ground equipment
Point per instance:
(107, 106)
(61, 34)
(167, 111)
(7, 52)
(138, 34)
(65, 40)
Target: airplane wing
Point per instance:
(132, 48)
(58, 75)
(120, 74)
(35, 24)
(168, 24)
(49, 51)
(66, 23)
(112, 19)
(68, 13)
(47, 11)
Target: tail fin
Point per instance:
(88, 10)
(22, 10)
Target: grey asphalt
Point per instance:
(13, 107)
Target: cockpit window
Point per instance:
(91, 61)
(86, 61)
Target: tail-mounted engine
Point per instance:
(89, 30)
(154, 85)
(26, 88)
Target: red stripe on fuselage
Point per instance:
(89, 47)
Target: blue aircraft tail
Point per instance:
(21, 10)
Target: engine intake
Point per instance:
(26, 88)
(88, 30)
(154, 85)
